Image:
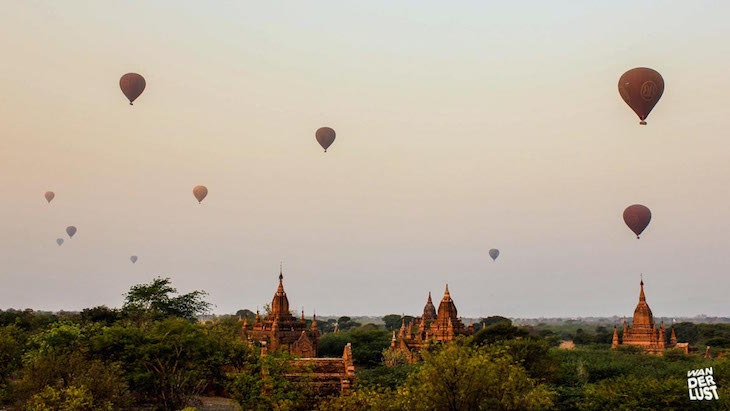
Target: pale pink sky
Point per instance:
(459, 129)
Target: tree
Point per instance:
(246, 313)
(392, 321)
(65, 399)
(463, 378)
(629, 392)
(367, 341)
(170, 365)
(154, 301)
(345, 323)
(100, 314)
(499, 331)
(263, 384)
(494, 319)
(58, 358)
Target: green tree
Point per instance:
(463, 378)
(367, 341)
(59, 358)
(155, 301)
(499, 331)
(345, 323)
(263, 384)
(393, 322)
(630, 392)
(101, 314)
(65, 399)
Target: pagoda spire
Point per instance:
(447, 295)
(642, 297)
(280, 290)
(614, 344)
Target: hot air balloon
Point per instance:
(49, 195)
(200, 192)
(641, 88)
(494, 253)
(325, 137)
(70, 230)
(132, 85)
(637, 217)
(133, 259)
(59, 241)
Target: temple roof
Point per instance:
(429, 311)
(447, 309)
(643, 316)
(280, 303)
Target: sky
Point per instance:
(460, 128)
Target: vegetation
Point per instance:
(154, 354)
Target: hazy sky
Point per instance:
(460, 128)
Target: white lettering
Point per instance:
(708, 371)
(691, 382)
(701, 382)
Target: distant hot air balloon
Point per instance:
(70, 230)
(325, 137)
(133, 259)
(641, 88)
(494, 253)
(49, 195)
(637, 217)
(132, 85)
(59, 241)
(200, 192)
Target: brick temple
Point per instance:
(280, 330)
(643, 332)
(432, 327)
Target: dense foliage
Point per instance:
(154, 354)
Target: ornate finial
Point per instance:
(281, 270)
(447, 295)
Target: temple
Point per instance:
(281, 330)
(643, 332)
(432, 326)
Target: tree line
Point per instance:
(154, 354)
